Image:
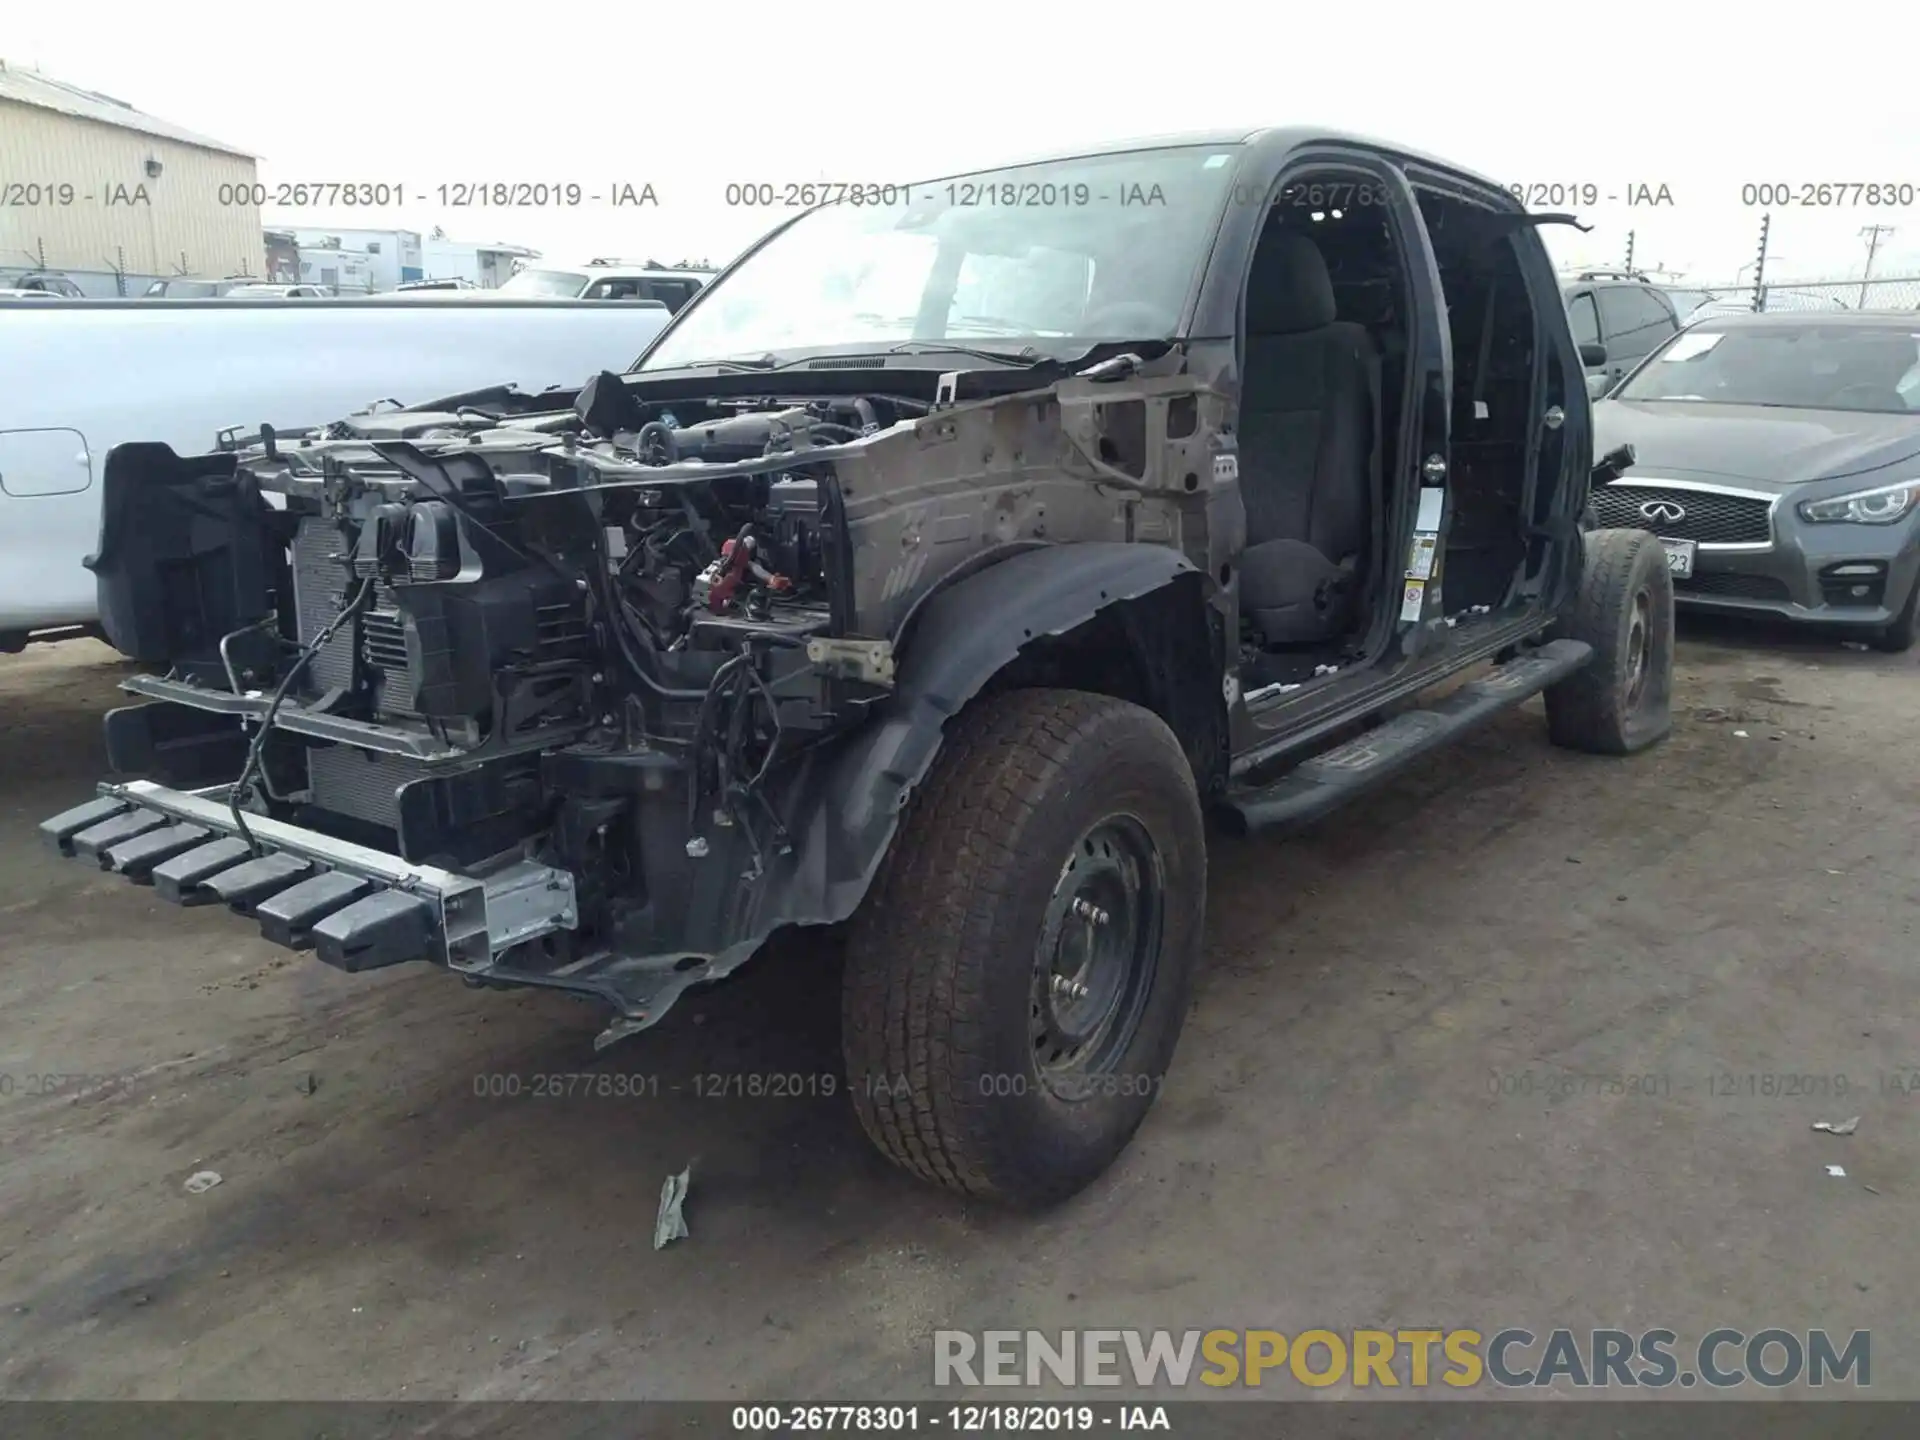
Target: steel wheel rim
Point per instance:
(1097, 955)
(1639, 648)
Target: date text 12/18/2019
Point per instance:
(959, 194)
(453, 195)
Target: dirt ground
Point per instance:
(1348, 1137)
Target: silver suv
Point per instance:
(1619, 317)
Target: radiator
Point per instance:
(321, 585)
(360, 783)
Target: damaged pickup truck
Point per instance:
(938, 570)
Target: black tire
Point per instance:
(953, 1069)
(1897, 636)
(1622, 701)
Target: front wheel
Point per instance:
(1017, 978)
(1897, 637)
(1622, 701)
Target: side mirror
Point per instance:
(1592, 354)
(1612, 465)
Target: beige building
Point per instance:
(115, 198)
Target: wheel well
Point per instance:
(1164, 650)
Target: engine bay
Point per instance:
(438, 625)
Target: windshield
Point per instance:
(1102, 248)
(1824, 367)
(546, 284)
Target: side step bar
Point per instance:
(356, 907)
(1321, 784)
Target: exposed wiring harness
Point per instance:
(294, 671)
(623, 623)
(719, 750)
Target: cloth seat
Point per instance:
(1308, 454)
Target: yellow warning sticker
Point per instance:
(1414, 597)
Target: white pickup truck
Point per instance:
(78, 377)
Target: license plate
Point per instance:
(1680, 557)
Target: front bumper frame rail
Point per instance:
(358, 908)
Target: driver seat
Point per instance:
(1309, 453)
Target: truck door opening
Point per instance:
(1324, 344)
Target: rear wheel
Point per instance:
(1017, 979)
(1622, 701)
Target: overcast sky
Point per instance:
(691, 99)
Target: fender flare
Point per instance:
(963, 637)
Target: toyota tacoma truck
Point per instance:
(937, 574)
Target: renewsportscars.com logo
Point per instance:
(1510, 1358)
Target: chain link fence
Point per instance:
(1896, 292)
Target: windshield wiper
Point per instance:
(758, 362)
(1026, 359)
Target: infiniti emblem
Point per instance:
(1668, 511)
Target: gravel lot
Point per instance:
(1348, 1137)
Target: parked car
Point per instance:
(46, 282)
(12, 294)
(187, 287)
(454, 283)
(607, 280)
(83, 376)
(934, 570)
(1618, 319)
(1779, 460)
(260, 291)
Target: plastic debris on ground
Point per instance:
(202, 1180)
(1845, 1127)
(1741, 734)
(671, 1224)
(1837, 1172)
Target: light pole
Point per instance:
(1871, 234)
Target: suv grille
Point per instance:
(1710, 518)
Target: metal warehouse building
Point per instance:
(114, 198)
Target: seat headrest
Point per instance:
(1289, 290)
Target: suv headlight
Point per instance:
(1880, 506)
